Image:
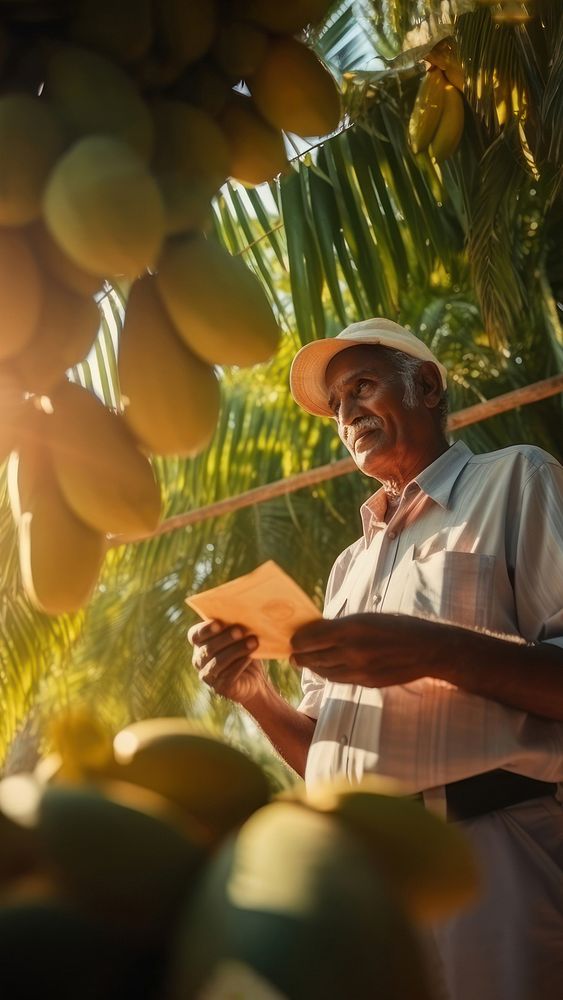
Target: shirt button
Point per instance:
(376, 599)
(343, 739)
(392, 535)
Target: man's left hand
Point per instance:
(373, 650)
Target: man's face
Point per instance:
(366, 398)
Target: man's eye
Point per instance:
(362, 385)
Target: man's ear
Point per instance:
(430, 384)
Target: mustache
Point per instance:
(360, 426)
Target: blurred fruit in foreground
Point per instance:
(121, 31)
(257, 150)
(58, 265)
(428, 862)
(190, 162)
(21, 293)
(103, 208)
(294, 91)
(67, 327)
(298, 899)
(31, 139)
(235, 327)
(60, 556)
(216, 784)
(11, 411)
(80, 739)
(94, 96)
(103, 475)
(171, 396)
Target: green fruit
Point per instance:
(293, 90)
(429, 862)
(92, 95)
(448, 134)
(118, 861)
(104, 209)
(216, 303)
(171, 396)
(105, 479)
(190, 162)
(31, 139)
(216, 784)
(296, 899)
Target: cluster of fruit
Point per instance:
(438, 115)
(161, 866)
(118, 124)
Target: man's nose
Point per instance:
(348, 411)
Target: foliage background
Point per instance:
(469, 256)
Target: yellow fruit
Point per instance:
(60, 556)
(12, 408)
(429, 862)
(58, 264)
(239, 48)
(294, 91)
(104, 209)
(122, 31)
(447, 136)
(171, 397)
(67, 328)
(216, 303)
(427, 110)
(190, 162)
(444, 55)
(31, 140)
(92, 95)
(216, 784)
(257, 150)
(103, 476)
(117, 857)
(21, 293)
(285, 18)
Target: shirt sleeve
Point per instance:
(538, 582)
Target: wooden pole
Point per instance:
(260, 494)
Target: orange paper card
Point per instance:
(267, 601)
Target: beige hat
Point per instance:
(307, 376)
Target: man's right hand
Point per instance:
(223, 658)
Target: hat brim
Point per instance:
(307, 377)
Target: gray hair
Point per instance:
(407, 367)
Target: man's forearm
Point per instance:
(289, 731)
(527, 677)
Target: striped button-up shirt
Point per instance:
(477, 540)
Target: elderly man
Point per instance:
(439, 660)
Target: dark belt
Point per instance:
(485, 793)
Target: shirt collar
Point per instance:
(437, 481)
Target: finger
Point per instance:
(216, 677)
(222, 650)
(227, 678)
(325, 658)
(202, 631)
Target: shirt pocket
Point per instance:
(450, 586)
(336, 607)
